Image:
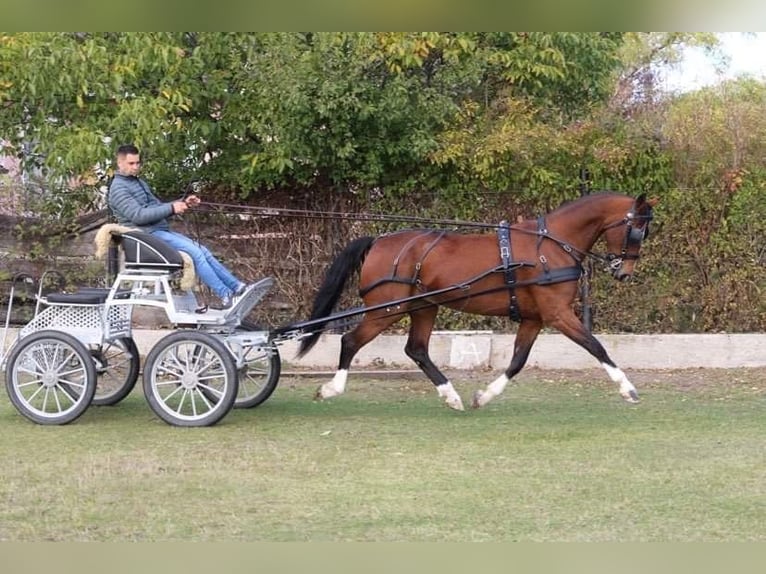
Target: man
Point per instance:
(133, 204)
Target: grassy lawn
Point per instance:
(558, 457)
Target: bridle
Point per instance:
(635, 233)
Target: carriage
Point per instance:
(78, 349)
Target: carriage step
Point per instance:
(251, 297)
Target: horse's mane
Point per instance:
(586, 199)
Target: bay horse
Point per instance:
(531, 272)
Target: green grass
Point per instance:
(557, 457)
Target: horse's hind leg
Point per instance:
(525, 338)
(417, 350)
(571, 326)
(350, 343)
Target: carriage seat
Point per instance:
(144, 252)
(86, 296)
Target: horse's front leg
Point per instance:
(525, 338)
(417, 350)
(573, 328)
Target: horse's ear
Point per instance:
(651, 202)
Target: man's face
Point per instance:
(129, 164)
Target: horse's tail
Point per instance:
(334, 282)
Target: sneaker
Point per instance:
(227, 301)
(243, 289)
(239, 291)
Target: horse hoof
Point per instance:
(456, 405)
(477, 402)
(318, 396)
(454, 402)
(631, 397)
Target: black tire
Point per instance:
(259, 376)
(118, 365)
(50, 377)
(183, 371)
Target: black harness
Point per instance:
(506, 257)
(549, 276)
(634, 235)
(393, 277)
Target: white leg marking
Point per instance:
(481, 398)
(448, 392)
(335, 387)
(627, 390)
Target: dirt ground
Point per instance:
(753, 379)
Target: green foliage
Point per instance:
(248, 111)
(717, 131)
(565, 72)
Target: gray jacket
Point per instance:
(133, 203)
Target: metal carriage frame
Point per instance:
(78, 349)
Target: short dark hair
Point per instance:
(127, 149)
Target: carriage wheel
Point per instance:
(190, 379)
(259, 375)
(50, 377)
(117, 365)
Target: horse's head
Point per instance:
(624, 237)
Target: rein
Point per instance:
(610, 259)
(314, 214)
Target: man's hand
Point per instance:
(179, 207)
(182, 205)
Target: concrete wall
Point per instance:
(469, 350)
(462, 350)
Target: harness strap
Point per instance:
(560, 275)
(542, 233)
(389, 279)
(506, 256)
(415, 279)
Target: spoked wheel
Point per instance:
(190, 379)
(50, 377)
(117, 366)
(259, 375)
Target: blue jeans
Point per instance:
(211, 271)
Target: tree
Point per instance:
(245, 111)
